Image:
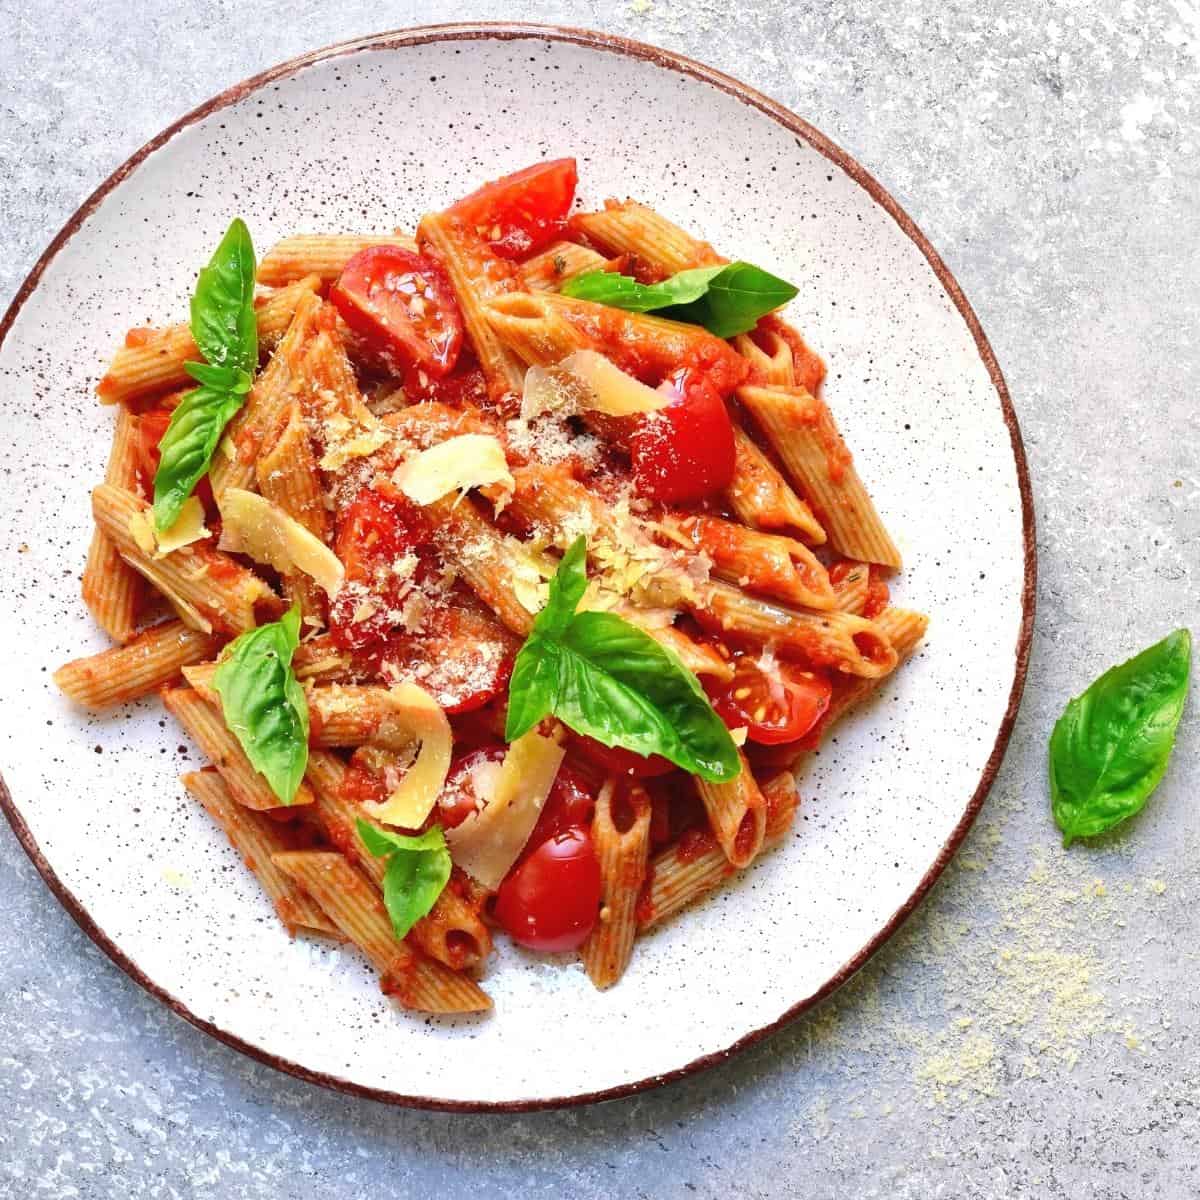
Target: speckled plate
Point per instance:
(368, 135)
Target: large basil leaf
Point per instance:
(418, 868)
(223, 322)
(1110, 747)
(605, 678)
(225, 328)
(263, 703)
(726, 300)
(187, 448)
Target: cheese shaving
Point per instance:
(253, 525)
(586, 381)
(346, 439)
(467, 461)
(488, 842)
(417, 712)
(189, 527)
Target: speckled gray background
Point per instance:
(1033, 1031)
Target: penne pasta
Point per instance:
(779, 567)
(802, 432)
(269, 398)
(209, 590)
(761, 498)
(693, 867)
(202, 719)
(477, 278)
(157, 365)
(112, 589)
(532, 330)
(632, 228)
(850, 590)
(548, 271)
(621, 837)
(453, 932)
(350, 901)
(736, 813)
(320, 254)
(154, 658)
(256, 838)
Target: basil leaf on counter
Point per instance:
(263, 703)
(726, 300)
(225, 328)
(605, 678)
(418, 868)
(1110, 747)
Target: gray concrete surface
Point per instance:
(1034, 1030)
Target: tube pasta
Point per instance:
(770, 356)
(850, 591)
(477, 277)
(760, 496)
(157, 366)
(623, 855)
(322, 254)
(736, 813)
(453, 932)
(632, 228)
(256, 838)
(209, 590)
(347, 898)
(152, 659)
(202, 719)
(548, 271)
(683, 872)
(532, 330)
(112, 590)
(804, 435)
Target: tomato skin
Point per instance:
(752, 700)
(402, 304)
(686, 451)
(551, 900)
(524, 212)
(620, 761)
(372, 532)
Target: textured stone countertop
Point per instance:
(1034, 1030)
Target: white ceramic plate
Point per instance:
(365, 137)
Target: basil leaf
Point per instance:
(187, 448)
(605, 678)
(726, 300)
(1110, 747)
(223, 322)
(263, 703)
(566, 591)
(226, 330)
(418, 869)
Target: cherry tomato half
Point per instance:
(685, 451)
(402, 304)
(372, 533)
(523, 212)
(551, 900)
(777, 705)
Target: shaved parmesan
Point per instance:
(487, 843)
(455, 465)
(188, 528)
(253, 525)
(612, 392)
(417, 712)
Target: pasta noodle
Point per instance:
(320, 254)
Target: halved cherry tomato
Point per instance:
(619, 761)
(780, 704)
(550, 901)
(402, 304)
(373, 532)
(685, 451)
(570, 802)
(462, 656)
(523, 212)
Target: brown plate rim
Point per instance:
(612, 43)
